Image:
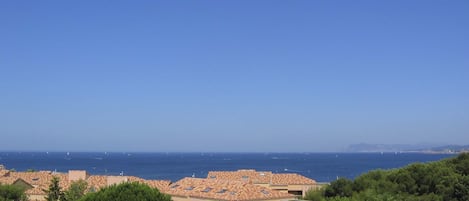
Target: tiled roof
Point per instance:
(255, 177)
(217, 189)
(251, 176)
(41, 181)
(291, 179)
(35, 191)
(96, 182)
(3, 172)
(161, 185)
(7, 180)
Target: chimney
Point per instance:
(75, 175)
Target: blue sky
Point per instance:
(262, 76)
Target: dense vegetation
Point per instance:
(76, 190)
(445, 180)
(121, 192)
(12, 193)
(127, 192)
(54, 192)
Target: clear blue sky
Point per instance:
(232, 75)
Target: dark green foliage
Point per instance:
(446, 180)
(461, 189)
(12, 193)
(371, 181)
(55, 193)
(342, 188)
(76, 191)
(127, 192)
(315, 195)
(461, 164)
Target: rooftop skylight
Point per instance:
(222, 191)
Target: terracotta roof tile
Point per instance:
(223, 190)
(35, 191)
(159, 184)
(291, 179)
(96, 182)
(255, 177)
(250, 176)
(41, 181)
(4, 172)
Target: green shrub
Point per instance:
(12, 193)
(127, 192)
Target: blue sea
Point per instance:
(322, 167)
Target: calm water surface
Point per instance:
(322, 167)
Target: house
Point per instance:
(36, 182)
(241, 185)
(291, 183)
(198, 189)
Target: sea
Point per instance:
(322, 167)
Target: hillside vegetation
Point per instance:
(127, 192)
(445, 180)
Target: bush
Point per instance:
(12, 193)
(341, 187)
(315, 195)
(127, 192)
(76, 191)
(436, 181)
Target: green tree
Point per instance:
(372, 180)
(341, 187)
(76, 191)
(461, 164)
(315, 195)
(461, 189)
(55, 193)
(127, 192)
(12, 193)
(445, 180)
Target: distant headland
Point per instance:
(407, 148)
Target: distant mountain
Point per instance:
(446, 149)
(363, 147)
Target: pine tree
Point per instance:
(76, 191)
(55, 193)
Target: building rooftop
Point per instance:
(262, 177)
(3, 172)
(216, 189)
(41, 180)
(219, 185)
